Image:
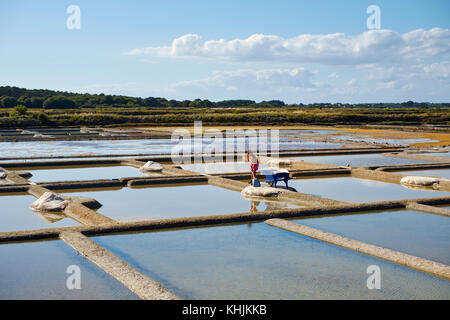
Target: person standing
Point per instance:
(254, 163)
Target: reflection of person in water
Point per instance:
(254, 204)
(272, 205)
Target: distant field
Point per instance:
(169, 116)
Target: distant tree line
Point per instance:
(49, 99)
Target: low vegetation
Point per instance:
(26, 108)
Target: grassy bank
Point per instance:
(223, 116)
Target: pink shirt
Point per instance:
(252, 158)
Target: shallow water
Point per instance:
(421, 234)
(445, 206)
(37, 270)
(437, 154)
(368, 139)
(174, 202)
(443, 173)
(60, 148)
(221, 167)
(71, 158)
(351, 189)
(287, 132)
(360, 160)
(301, 132)
(257, 261)
(16, 215)
(86, 173)
(142, 146)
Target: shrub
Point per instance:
(21, 110)
(42, 117)
(14, 114)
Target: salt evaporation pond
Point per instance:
(141, 146)
(163, 202)
(221, 167)
(421, 234)
(349, 189)
(85, 173)
(437, 154)
(443, 173)
(257, 261)
(401, 142)
(356, 160)
(16, 215)
(37, 270)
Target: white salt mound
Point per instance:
(151, 166)
(40, 135)
(49, 202)
(419, 180)
(260, 191)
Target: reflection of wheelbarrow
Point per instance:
(273, 176)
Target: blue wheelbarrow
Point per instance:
(273, 176)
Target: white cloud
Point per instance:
(333, 75)
(264, 84)
(439, 70)
(373, 46)
(377, 65)
(351, 82)
(254, 79)
(406, 76)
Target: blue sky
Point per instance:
(297, 51)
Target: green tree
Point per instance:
(195, 103)
(58, 102)
(8, 102)
(174, 103)
(24, 100)
(36, 102)
(163, 102)
(152, 102)
(185, 103)
(109, 100)
(206, 104)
